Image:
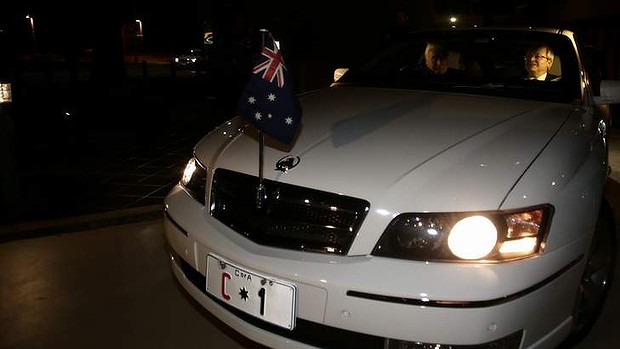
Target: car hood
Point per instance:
(401, 150)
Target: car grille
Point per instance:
(289, 216)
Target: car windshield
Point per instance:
(488, 62)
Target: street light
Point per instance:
(5, 92)
(139, 27)
(453, 21)
(34, 38)
(139, 36)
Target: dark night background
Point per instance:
(323, 34)
(100, 38)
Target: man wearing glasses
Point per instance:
(538, 62)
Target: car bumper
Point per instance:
(376, 301)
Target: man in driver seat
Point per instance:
(435, 63)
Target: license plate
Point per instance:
(257, 294)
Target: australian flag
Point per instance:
(269, 101)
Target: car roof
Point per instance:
(548, 30)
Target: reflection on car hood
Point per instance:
(414, 149)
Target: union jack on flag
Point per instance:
(268, 100)
(272, 65)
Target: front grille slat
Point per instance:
(290, 217)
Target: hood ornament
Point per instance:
(287, 162)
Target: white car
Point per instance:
(410, 211)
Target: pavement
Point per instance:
(104, 288)
(82, 152)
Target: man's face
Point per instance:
(436, 61)
(536, 62)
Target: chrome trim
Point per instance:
(169, 217)
(464, 304)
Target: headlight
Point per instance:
(492, 236)
(194, 179)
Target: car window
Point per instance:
(478, 61)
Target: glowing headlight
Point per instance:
(477, 236)
(194, 180)
(472, 237)
(188, 172)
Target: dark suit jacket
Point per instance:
(549, 77)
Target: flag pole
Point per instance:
(260, 190)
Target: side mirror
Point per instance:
(610, 92)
